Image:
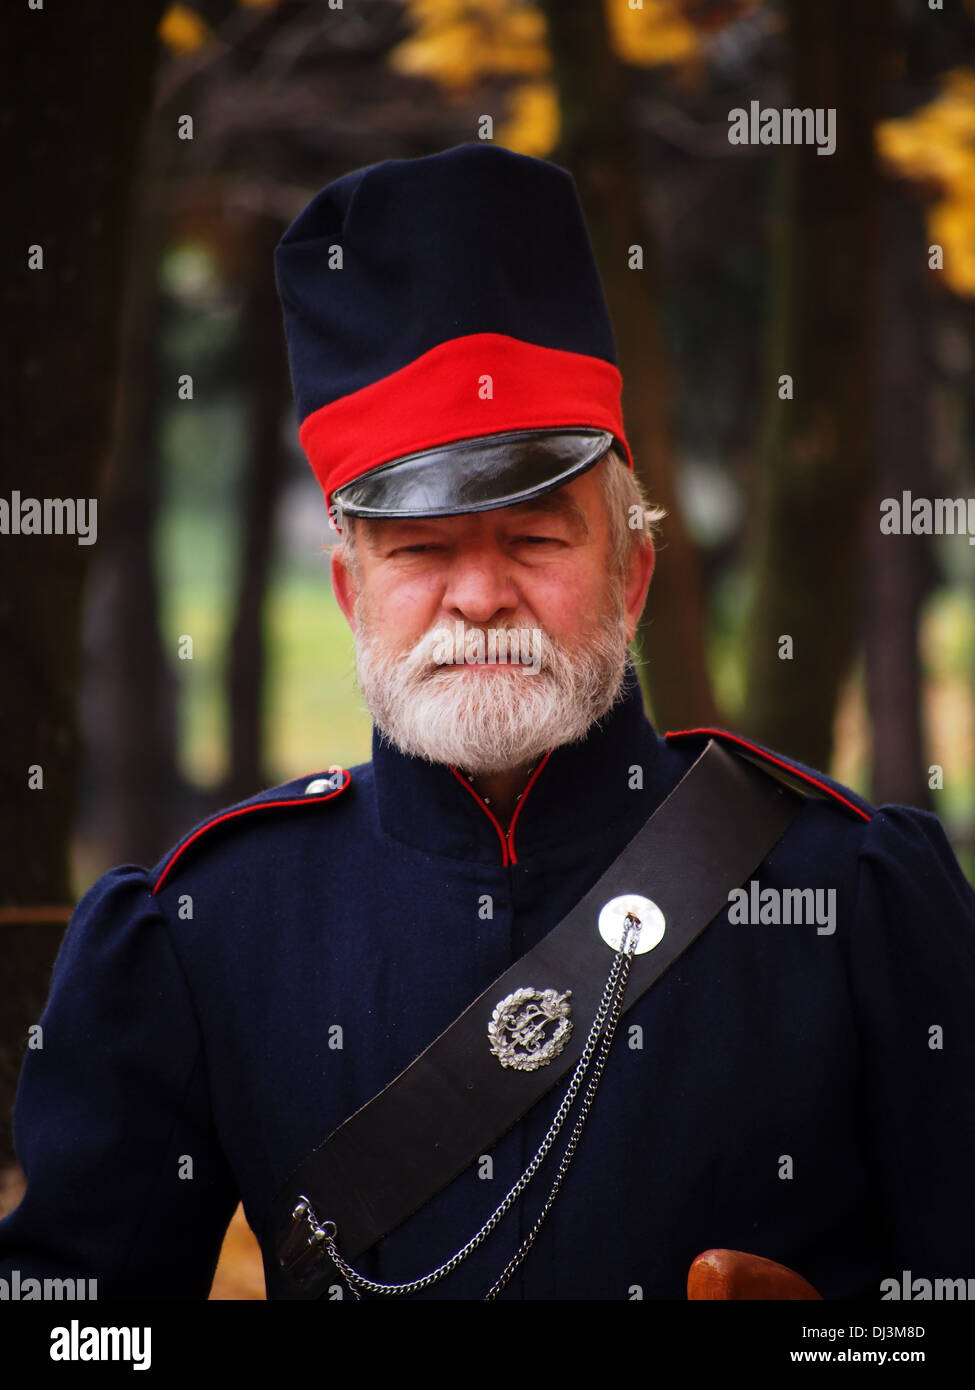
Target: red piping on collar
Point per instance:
(770, 757)
(524, 798)
(508, 856)
(505, 860)
(243, 811)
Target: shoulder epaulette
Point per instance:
(804, 779)
(324, 786)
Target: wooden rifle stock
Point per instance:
(733, 1274)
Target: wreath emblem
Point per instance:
(530, 1027)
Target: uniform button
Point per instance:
(632, 908)
(320, 784)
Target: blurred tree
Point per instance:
(928, 151)
(138, 801)
(73, 131)
(816, 452)
(898, 567)
(267, 397)
(130, 692)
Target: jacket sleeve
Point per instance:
(126, 1179)
(913, 972)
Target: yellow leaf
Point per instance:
(456, 42)
(182, 29)
(656, 33)
(533, 122)
(936, 145)
(952, 225)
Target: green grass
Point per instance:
(314, 715)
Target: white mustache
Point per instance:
(473, 646)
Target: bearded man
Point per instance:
(563, 574)
(376, 1005)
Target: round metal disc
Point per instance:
(614, 913)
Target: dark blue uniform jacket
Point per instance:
(803, 1095)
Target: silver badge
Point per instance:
(530, 1027)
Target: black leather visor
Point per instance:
(474, 475)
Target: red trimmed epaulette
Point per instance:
(321, 787)
(754, 750)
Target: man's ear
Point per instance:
(344, 586)
(638, 577)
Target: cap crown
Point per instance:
(473, 240)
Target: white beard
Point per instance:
(491, 721)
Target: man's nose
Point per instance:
(480, 585)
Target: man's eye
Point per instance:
(413, 549)
(536, 540)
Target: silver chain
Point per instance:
(608, 1014)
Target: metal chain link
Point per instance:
(574, 1138)
(610, 1008)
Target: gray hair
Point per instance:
(632, 520)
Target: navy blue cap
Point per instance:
(449, 340)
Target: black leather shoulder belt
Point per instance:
(457, 1099)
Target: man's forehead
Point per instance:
(563, 502)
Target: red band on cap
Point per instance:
(439, 399)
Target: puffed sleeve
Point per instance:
(913, 972)
(126, 1179)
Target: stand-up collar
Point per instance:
(576, 789)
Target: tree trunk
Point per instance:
(816, 454)
(266, 392)
(129, 687)
(76, 93)
(899, 566)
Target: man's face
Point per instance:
(434, 608)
